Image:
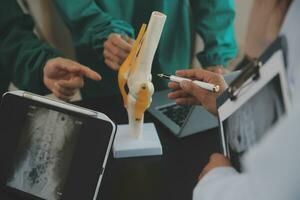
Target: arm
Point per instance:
(271, 168)
(90, 25)
(218, 175)
(22, 54)
(214, 22)
(222, 183)
(31, 63)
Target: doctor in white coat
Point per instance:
(271, 168)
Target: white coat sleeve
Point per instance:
(220, 183)
(271, 169)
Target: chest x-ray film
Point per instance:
(259, 105)
(44, 153)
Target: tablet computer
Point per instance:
(253, 103)
(51, 150)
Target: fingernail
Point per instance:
(98, 77)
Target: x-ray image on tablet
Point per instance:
(52, 150)
(247, 125)
(253, 104)
(44, 153)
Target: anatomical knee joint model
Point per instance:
(136, 73)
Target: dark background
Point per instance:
(171, 176)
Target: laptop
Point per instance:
(51, 150)
(253, 103)
(181, 120)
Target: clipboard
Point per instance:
(254, 102)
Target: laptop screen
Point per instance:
(249, 123)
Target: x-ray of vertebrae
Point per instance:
(44, 153)
(250, 122)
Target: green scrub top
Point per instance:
(91, 21)
(22, 54)
(4, 82)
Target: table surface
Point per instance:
(171, 176)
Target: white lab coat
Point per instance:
(291, 30)
(272, 167)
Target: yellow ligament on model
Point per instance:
(128, 64)
(142, 102)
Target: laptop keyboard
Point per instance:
(176, 113)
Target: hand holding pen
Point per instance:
(188, 93)
(204, 85)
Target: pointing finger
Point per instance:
(87, 72)
(76, 68)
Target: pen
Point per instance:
(204, 85)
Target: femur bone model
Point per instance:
(136, 73)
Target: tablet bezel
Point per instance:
(92, 116)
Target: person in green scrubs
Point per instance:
(103, 32)
(4, 81)
(30, 63)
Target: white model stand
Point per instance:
(147, 145)
(137, 138)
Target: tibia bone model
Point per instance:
(136, 73)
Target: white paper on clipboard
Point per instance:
(291, 31)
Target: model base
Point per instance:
(126, 146)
